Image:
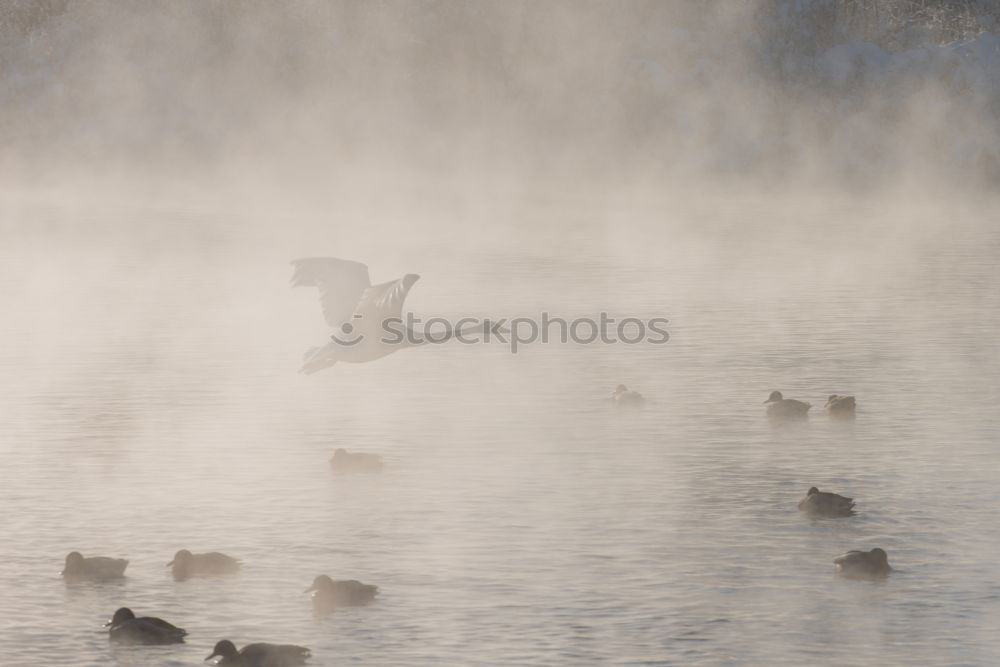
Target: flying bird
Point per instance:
(367, 319)
(356, 309)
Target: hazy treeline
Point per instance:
(894, 24)
(860, 90)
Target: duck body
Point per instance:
(95, 568)
(345, 461)
(260, 654)
(186, 564)
(779, 407)
(625, 397)
(329, 594)
(840, 406)
(825, 504)
(863, 564)
(125, 628)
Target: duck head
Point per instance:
(880, 557)
(621, 389)
(774, 397)
(74, 562)
(812, 491)
(339, 453)
(122, 615)
(181, 558)
(322, 582)
(224, 649)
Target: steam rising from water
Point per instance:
(514, 91)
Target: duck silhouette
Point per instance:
(863, 564)
(260, 654)
(623, 396)
(345, 461)
(94, 568)
(125, 628)
(186, 564)
(825, 504)
(840, 406)
(329, 594)
(781, 408)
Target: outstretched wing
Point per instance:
(385, 300)
(341, 284)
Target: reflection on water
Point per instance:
(150, 404)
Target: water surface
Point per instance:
(150, 403)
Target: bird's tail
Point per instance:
(310, 367)
(314, 361)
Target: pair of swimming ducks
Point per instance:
(126, 628)
(328, 594)
(184, 565)
(855, 564)
(779, 407)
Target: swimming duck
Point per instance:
(345, 461)
(863, 564)
(186, 564)
(95, 568)
(823, 503)
(779, 407)
(329, 594)
(624, 396)
(260, 654)
(840, 406)
(127, 629)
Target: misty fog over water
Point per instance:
(805, 190)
